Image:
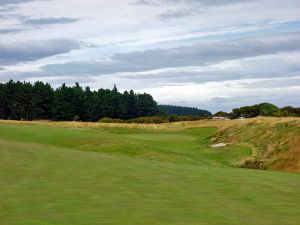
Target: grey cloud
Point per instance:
(206, 54)
(14, 2)
(171, 14)
(10, 31)
(6, 8)
(142, 2)
(31, 50)
(217, 75)
(49, 21)
(188, 7)
(193, 2)
(197, 55)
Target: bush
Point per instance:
(110, 120)
(151, 119)
(173, 118)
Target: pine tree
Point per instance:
(130, 105)
(42, 100)
(63, 108)
(78, 99)
(89, 104)
(3, 102)
(22, 100)
(146, 105)
(116, 103)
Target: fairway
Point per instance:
(106, 175)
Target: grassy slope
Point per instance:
(184, 146)
(44, 180)
(275, 145)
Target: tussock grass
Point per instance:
(164, 126)
(275, 142)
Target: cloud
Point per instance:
(49, 21)
(205, 54)
(226, 95)
(10, 31)
(6, 8)
(177, 14)
(141, 47)
(14, 2)
(184, 8)
(193, 2)
(196, 55)
(31, 50)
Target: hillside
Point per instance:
(274, 142)
(184, 111)
(274, 145)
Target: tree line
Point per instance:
(184, 111)
(263, 109)
(38, 101)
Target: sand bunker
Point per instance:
(218, 145)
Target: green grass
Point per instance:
(187, 146)
(272, 143)
(131, 176)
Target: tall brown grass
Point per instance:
(220, 124)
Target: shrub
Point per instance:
(150, 119)
(173, 118)
(110, 120)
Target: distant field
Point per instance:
(89, 173)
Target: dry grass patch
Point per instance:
(274, 141)
(164, 126)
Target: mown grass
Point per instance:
(185, 146)
(105, 175)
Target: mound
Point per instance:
(274, 145)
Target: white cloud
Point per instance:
(229, 94)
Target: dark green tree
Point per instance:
(42, 100)
(146, 105)
(130, 105)
(63, 108)
(116, 104)
(78, 99)
(89, 104)
(3, 102)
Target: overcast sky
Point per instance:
(211, 54)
